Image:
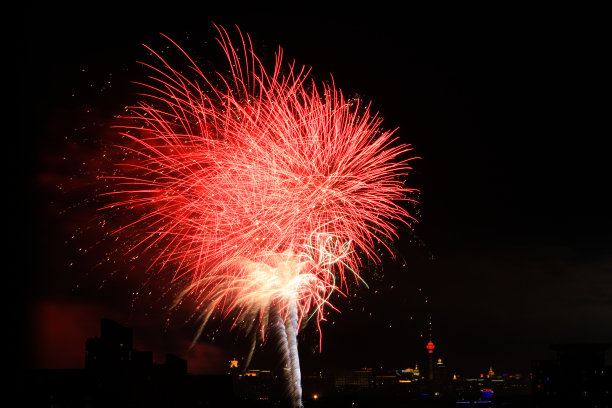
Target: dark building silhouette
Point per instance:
(116, 375)
(578, 377)
(175, 365)
(113, 350)
(442, 374)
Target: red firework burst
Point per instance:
(259, 188)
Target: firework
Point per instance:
(260, 190)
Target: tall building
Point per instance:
(113, 350)
(430, 349)
(442, 374)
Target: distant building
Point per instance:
(578, 377)
(257, 385)
(442, 375)
(430, 349)
(353, 380)
(113, 349)
(116, 375)
(174, 365)
(409, 374)
(491, 373)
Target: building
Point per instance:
(113, 350)
(116, 375)
(578, 377)
(353, 380)
(442, 374)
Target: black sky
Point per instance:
(507, 108)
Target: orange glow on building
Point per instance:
(491, 372)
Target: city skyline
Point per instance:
(116, 372)
(126, 337)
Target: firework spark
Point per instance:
(260, 189)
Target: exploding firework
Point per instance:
(259, 190)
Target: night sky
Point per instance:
(507, 109)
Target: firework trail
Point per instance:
(281, 333)
(258, 190)
(294, 360)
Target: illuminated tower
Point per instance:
(430, 349)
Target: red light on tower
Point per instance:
(430, 347)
